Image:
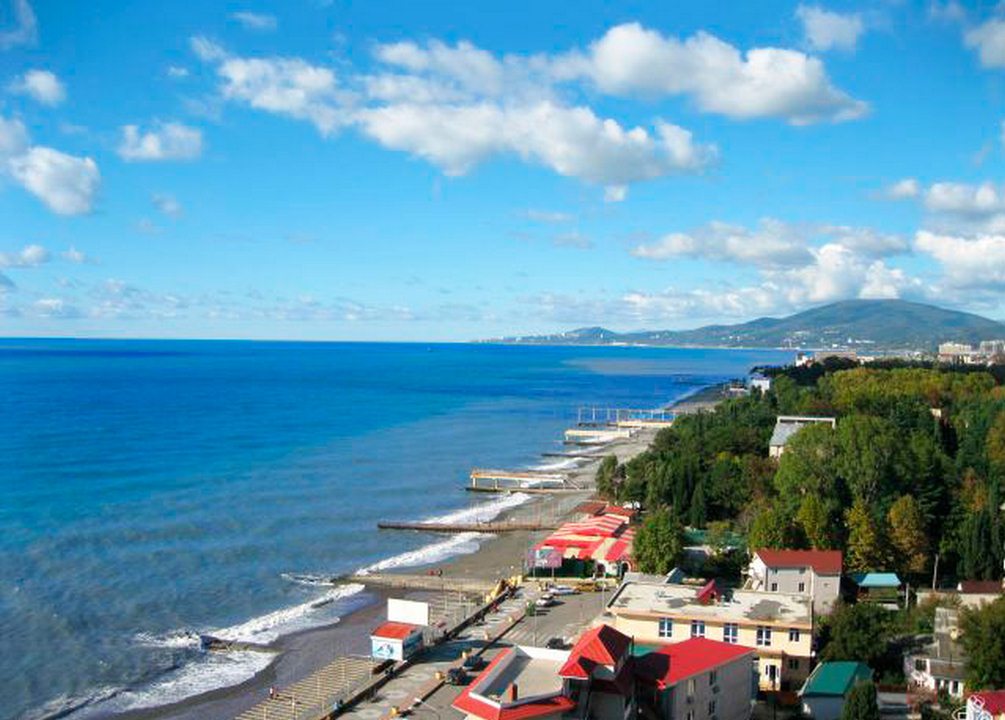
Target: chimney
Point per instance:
(514, 694)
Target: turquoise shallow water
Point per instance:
(153, 489)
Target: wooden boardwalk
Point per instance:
(314, 697)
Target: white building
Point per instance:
(941, 665)
(815, 573)
(788, 425)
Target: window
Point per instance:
(793, 663)
(666, 628)
(713, 678)
(729, 633)
(698, 628)
(690, 689)
(793, 635)
(690, 715)
(774, 587)
(763, 636)
(802, 587)
(920, 664)
(956, 687)
(711, 708)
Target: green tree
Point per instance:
(659, 542)
(816, 522)
(868, 449)
(907, 535)
(861, 703)
(866, 543)
(808, 467)
(770, 529)
(983, 639)
(858, 632)
(605, 477)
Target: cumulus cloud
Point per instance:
(903, 189)
(573, 142)
(285, 86)
(24, 30)
(165, 141)
(828, 30)
(458, 105)
(968, 262)
(760, 83)
(54, 307)
(65, 183)
(75, 256)
(773, 244)
(42, 86)
(177, 71)
(255, 21)
(988, 39)
(28, 256)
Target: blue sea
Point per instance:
(152, 490)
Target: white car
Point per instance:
(563, 590)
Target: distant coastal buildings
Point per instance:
(988, 351)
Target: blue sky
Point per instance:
(447, 171)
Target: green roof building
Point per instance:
(826, 688)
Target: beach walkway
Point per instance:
(316, 695)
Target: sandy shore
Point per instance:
(301, 654)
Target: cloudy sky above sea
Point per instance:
(444, 170)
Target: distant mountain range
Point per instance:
(861, 324)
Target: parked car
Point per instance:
(556, 643)
(544, 601)
(472, 662)
(563, 590)
(456, 676)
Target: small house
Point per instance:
(788, 425)
(826, 689)
(395, 641)
(882, 588)
(816, 573)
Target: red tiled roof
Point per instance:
(988, 587)
(394, 630)
(994, 700)
(469, 703)
(602, 645)
(673, 663)
(708, 593)
(824, 562)
(591, 507)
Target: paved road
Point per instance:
(567, 619)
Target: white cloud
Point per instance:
(65, 183)
(41, 85)
(25, 27)
(968, 262)
(571, 141)
(285, 86)
(177, 71)
(989, 41)
(167, 204)
(13, 138)
(75, 256)
(206, 49)
(166, 141)
(772, 245)
(547, 216)
(28, 256)
(255, 21)
(965, 199)
(828, 30)
(763, 82)
(903, 189)
(55, 308)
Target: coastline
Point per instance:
(302, 653)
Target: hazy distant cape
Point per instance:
(864, 324)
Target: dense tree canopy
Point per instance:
(914, 466)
